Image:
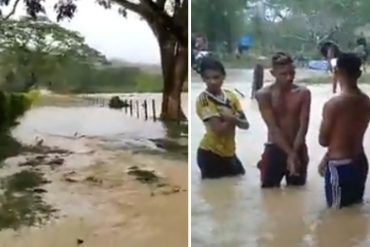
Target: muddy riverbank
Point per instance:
(88, 185)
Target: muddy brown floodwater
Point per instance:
(236, 212)
(113, 187)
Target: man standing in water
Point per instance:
(285, 108)
(331, 52)
(221, 112)
(257, 82)
(345, 120)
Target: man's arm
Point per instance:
(211, 117)
(265, 107)
(326, 124)
(304, 118)
(242, 121)
(220, 127)
(241, 118)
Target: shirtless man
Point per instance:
(257, 83)
(331, 52)
(345, 120)
(285, 108)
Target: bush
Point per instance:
(13, 106)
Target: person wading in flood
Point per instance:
(285, 108)
(221, 112)
(345, 120)
(257, 83)
(331, 52)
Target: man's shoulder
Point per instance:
(334, 101)
(264, 92)
(230, 94)
(202, 99)
(302, 89)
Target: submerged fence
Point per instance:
(143, 108)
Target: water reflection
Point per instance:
(73, 117)
(349, 227)
(284, 224)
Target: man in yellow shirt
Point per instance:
(221, 112)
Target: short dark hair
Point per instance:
(350, 63)
(281, 58)
(325, 46)
(211, 64)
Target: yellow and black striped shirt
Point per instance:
(209, 106)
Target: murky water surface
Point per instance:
(236, 212)
(89, 116)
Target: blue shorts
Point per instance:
(345, 181)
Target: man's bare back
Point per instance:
(349, 116)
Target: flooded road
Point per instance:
(104, 188)
(236, 212)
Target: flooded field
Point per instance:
(236, 212)
(95, 177)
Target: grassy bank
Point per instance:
(247, 61)
(86, 78)
(328, 79)
(110, 80)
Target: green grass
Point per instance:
(328, 79)
(85, 78)
(247, 61)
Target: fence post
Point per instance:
(153, 108)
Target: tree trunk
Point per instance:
(174, 58)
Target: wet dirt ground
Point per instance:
(95, 197)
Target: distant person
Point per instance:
(192, 51)
(221, 113)
(257, 83)
(285, 108)
(200, 43)
(244, 44)
(361, 51)
(345, 121)
(331, 51)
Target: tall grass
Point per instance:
(84, 78)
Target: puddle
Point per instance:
(21, 200)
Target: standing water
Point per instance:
(237, 212)
(74, 117)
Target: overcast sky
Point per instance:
(129, 39)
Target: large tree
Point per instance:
(218, 20)
(30, 49)
(168, 19)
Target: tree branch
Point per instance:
(170, 23)
(137, 8)
(296, 37)
(161, 4)
(12, 11)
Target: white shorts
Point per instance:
(333, 62)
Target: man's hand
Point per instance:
(228, 116)
(293, 163)
(322, 167)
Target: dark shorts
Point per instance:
(273, 167)
(214, 166)
(345, 181)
